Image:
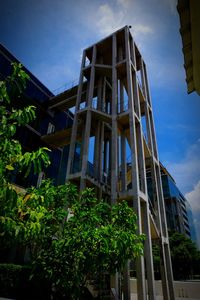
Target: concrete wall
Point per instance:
(184, 289)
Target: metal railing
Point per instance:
(65, 87)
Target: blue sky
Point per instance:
(48, 37)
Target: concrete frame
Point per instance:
(113, 75)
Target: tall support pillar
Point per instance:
(96, 151)
(165, 241)
(166, 267)
(114, 146)
(88, 122)
(148, 252)
(123, 162)
(123, 142)
(98, 133)
(135, 173)
(75, 122)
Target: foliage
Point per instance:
(11, 154)
(94, 238)
(33, 215)
(185, 256)
(15, 283)
(10, 277)
(12, 157)
(73, 238)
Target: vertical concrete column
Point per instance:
(155, 150)
(134, 170)
(75, 122)
(100, 94)
(169, 271)
(139, 135)
(165, 287)
(104, 95)
(151, 120)
(147, 85)
(166, 268)
(98, 131)
(114, 165)
(132, 51)
(146, 221)
(149, 106)
(121, 106)
(97, 149)
(109, 154)
(105, 155)
(156, 203)
(136, 94)
(147, 110)
(101, 151)
(165, 239)
(123, 161)
(148, 252)
(88, 122)
(123, 138)
(144, 87)
(141, 159)
(159, 223)
(146, 106)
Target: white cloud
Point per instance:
(193, 198)
(141, 29)
(108, 19)
(172, 5)
(111, 18)
(187, 171)
(124, 3)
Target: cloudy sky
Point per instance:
(48, 37)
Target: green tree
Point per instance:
(94, 238)
(71, 237)
(185, 256)
(12, 157)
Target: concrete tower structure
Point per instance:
(113, 143)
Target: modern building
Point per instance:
(109, 143)
(46, 122)
(175, 204)
(189, 13)
(193, 233)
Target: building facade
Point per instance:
(46, 122)
(176, 205)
